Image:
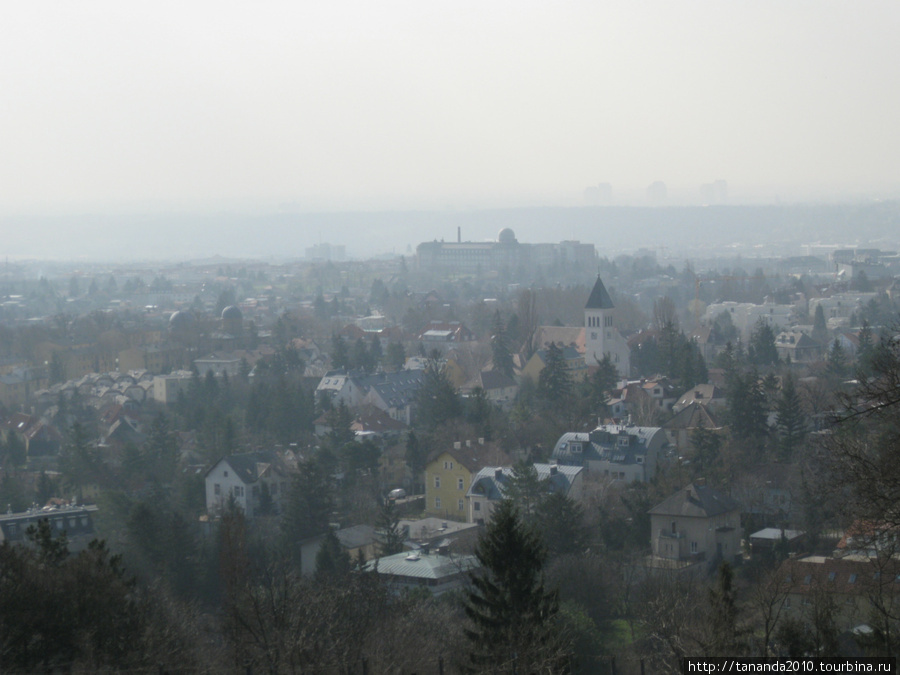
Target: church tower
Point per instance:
(601, 335)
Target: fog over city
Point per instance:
(449, 337)
(122, 117)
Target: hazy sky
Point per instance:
(418, 103)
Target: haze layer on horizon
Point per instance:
(348, 105)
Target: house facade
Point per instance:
(697, 524)
(449, 474)
(626, 453)
(489, 486)
(258, 483)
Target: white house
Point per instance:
(256, 481)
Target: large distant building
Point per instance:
(470, 257)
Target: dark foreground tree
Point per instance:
(62, 612)
(514, 623)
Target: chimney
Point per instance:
(481, 440)
(700, 482)
(468, 443)
(498, 472)
(554, 469)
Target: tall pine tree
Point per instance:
(513, 616)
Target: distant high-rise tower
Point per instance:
(714, 193)
(657, 192)
(601, 335)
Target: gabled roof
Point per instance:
(475, 457)
(560, 335)
(396, 389)
(599, 298)
(490, 379)
(694, 415)
(251, 466)
(700, 393)
(374, 419)
(696, 501)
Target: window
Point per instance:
(476, 506)
(448, 465)
(693, 547)
(831, 576)
(459, 505)
(437, 482)
(807, 579)
(459, 483)
(674, 528)
(437, 502)
(226, 474)
(852, 578)
(217, 489)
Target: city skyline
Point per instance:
(205, 108)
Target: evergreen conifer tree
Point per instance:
(500, 352)
(513, 616)
(554, 382)
(790, 419)
(389, 532)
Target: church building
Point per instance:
(601, 334)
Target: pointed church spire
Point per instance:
(599, 297)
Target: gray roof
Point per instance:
(356, 536)
(494, 379)
(599, 298)
(696, 501)
(491, 481)
(603, 444)
(774, 534)
(413, 564)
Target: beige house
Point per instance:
(696, 524)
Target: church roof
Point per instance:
(599, 297)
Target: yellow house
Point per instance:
(449, 473)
